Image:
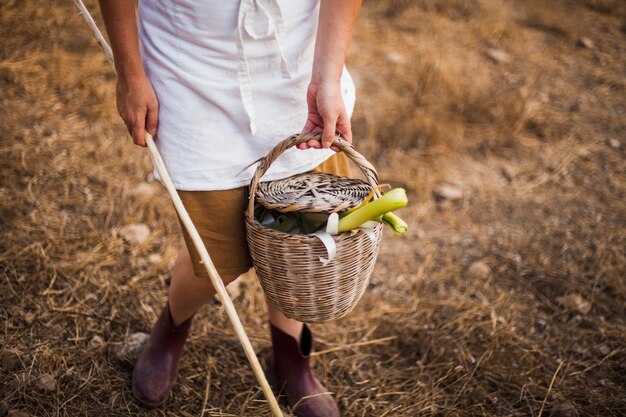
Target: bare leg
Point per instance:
(188, 292)
(289, 326)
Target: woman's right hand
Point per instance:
(138, 106)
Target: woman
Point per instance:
(219, 83)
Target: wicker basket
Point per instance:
(288, 266)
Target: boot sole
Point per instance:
(143, 401)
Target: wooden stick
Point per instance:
(96, 31)
(214, 275)
(216, 280)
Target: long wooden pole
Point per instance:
(195, 236)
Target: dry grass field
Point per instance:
(505, 120)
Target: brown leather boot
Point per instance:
(156, 369)
(288, 369)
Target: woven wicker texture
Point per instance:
(313, 192)
(288, 265)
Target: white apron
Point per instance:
(231, 80)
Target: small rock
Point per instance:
(375, 281)
(614, 143)
(523, 91)
(604, 349)
(564, 409)
(155, 258)
(541, 324)
(585, 42)
(479, 270)
(395, 57)
(11, 360)
(96, 342)
(17, 413)
(46, 382)
(507, 173)
(143, 189)
(498, 56)
(575, 302)
(583, 153)
(135, 233)
(29, 318)
(448, 192)
(131, 347)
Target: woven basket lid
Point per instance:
(312, 192)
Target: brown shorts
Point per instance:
(219, 218)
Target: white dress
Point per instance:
(231, 79)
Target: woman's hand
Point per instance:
(136, 100)
(327, 114)
(138, 106)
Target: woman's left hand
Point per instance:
(327, 114)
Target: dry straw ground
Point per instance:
(507, 298)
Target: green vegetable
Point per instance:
(392, 200)
(310, 222)
(298, 223)
(398, 225)
(285, 224)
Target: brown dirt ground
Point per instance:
(536, 143)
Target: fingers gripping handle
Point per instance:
(366, 167)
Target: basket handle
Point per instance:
(366, 167)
